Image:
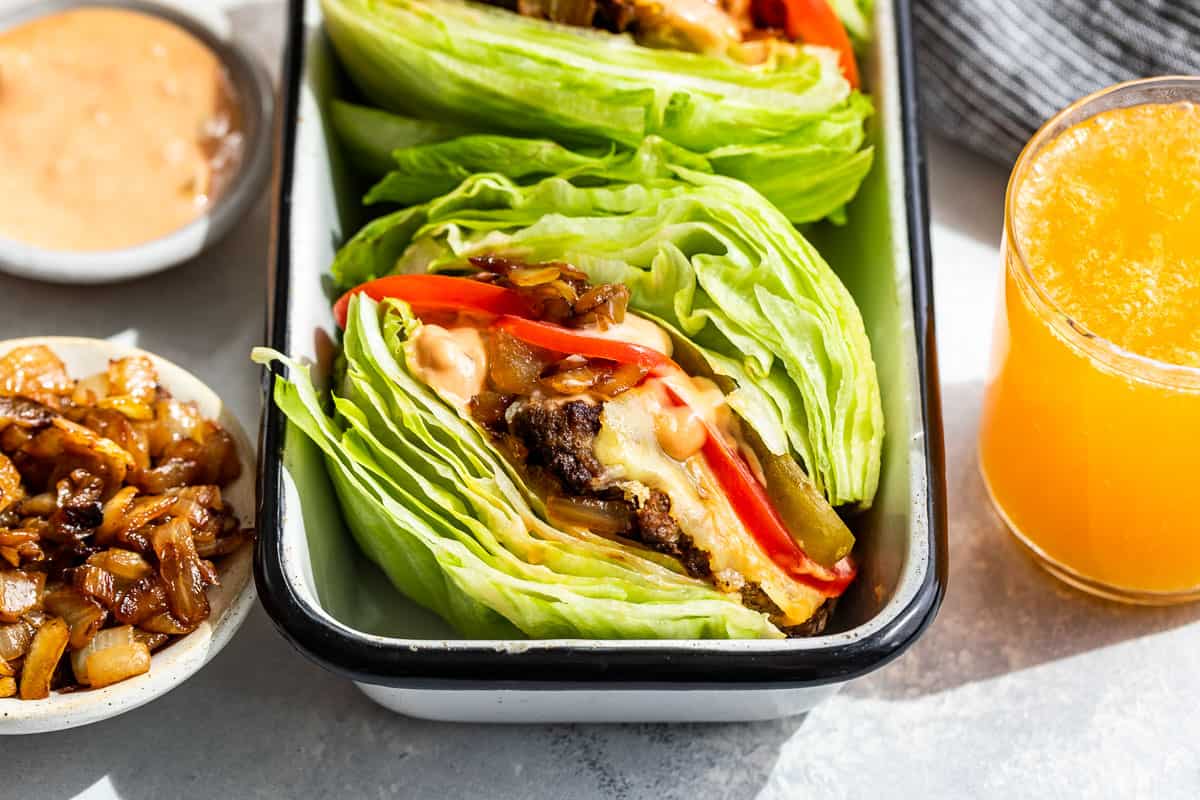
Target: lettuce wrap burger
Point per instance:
(763, 90)
(594, 407)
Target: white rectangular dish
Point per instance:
(338, 608)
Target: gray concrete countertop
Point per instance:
(1021, 688)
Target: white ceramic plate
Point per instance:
(231, 600)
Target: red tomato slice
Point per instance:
(437, 292)
(750, 502)
(565, 340)
(811, 22)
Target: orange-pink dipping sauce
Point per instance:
(116, 128)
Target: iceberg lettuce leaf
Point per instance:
(371, 135)
(451, 525)
(486, 68)
(707, 255)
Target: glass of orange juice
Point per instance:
(1090, 437)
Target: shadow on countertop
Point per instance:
(262, 722)
(967, 193)
(204, 314)
(1002, 612)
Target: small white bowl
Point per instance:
(257, 99)
(231, 601)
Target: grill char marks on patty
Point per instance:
(559, 438)
(659, 530)
(753, 597)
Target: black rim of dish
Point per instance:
(375, 661)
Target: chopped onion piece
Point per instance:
(48, 645)
(82, 614)
(114, 664)
(125, 565)
(108, 638)
(604, 517)
(533, 276)
(19, 593)
(133, 377)
(15, 640)
(153, 641)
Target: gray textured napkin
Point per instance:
(992, 71)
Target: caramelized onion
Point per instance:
(110, 492)
(181, 571)
(96, 583)
(153, 641)
(83, 615)
(140, 513)
(603, 517)
(141, 601)
(24, 413)
(173, 422)
(514, 366)
(170, 474)
(573, 380)
(113, 655)
(557, 291)
(11, 490)
(42, 659)
(525, 277)
(40, 505)
(165, 622)
(115, 512)
(127, 407)
(488, 409)
(15, 640)
(607, 300)
(608, 380)
(619, 379)
(223, 545)
(114, 664)
(133, 377)
(116, 426)
(20, 592)
(218, 457)
(124, 565)
(34, 373)
(565, 290)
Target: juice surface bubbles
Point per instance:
(1108, 220)
(1091, 420)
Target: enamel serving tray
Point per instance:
(339, 610)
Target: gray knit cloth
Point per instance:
(992, 71)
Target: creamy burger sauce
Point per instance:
(116, 128)
(635, 330)
(452, 361)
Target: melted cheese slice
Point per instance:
(628, 447)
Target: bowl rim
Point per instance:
(257, 97)
(537, 664)
(60, 710)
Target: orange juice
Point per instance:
(1090, 439)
